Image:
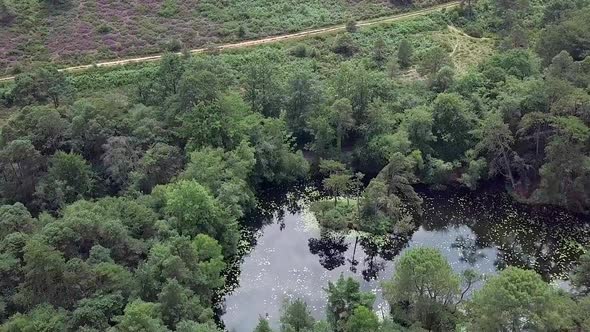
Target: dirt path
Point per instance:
(268, 40)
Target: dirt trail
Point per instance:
(268, 40)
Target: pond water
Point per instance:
(288, 256)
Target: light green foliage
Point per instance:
(196, 265)
(226, 174)
(196, 211)
(518, 300)
(424, 288)
(41, 318)
(15, 218)
(140, 316)
(362, 320)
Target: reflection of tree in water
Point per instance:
(544, 239)
(330, 248)
(469, 250)
(379, 250)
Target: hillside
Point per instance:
(82, 31)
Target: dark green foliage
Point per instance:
(404, 54)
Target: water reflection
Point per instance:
(286, 257)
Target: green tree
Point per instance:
(263, 88)
(158, 165)
(197, 212)
(263, 326)
(379, 52)
(344, 297)
(296, 317)
(20, 166)
(433, 60)
(404, 54)
(495, 140)
(42, 318)
(15, 218)
(454, 123)
(303, 98)
(68, 179)
(424, 288)
(43, 84)
(170, 73)
(120, 159)
(580, 277)
(517, 300)
(362, 320)
(140, 316)
(342, 119)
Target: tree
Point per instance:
(45, 83)
(263, 88)
(424, 288)
(43, 270)
(517, 300)
(15, 218)
(157, 166)
(296, 317)
(97, 311)
(362, 320)
(570, 35)
(120, 159)
(170, 73)
(580, 277)
(20, 166)
(197, 212)
(443, 79)
(404, 54)
(351, 26)
(178, 303)
(42, 318)
(140, 316)
(68, 179)
(454, 123)
(495, 139)
(197, 87)
(344, 45)
(263, 325)
(344, 297)
(433, 61)
(303, 98)
(379, 52)
(46, 128)
(565, 176)
(342, 120)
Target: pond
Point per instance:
(289, 257)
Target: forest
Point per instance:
(125, 189)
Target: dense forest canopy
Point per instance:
(124, 189)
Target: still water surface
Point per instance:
(288, 257)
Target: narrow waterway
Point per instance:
(485, 231)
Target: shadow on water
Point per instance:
(284, 256)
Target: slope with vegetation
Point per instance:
(123, 189)
(82, 31)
